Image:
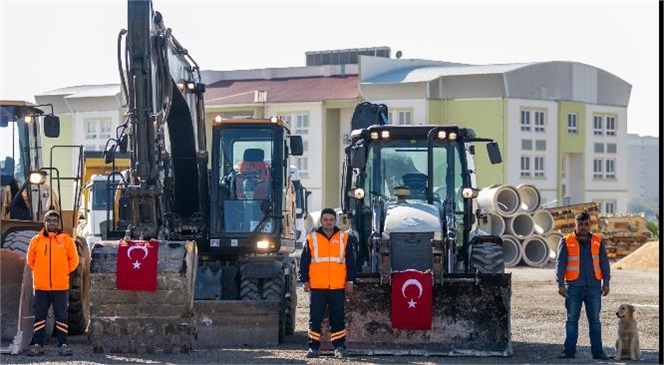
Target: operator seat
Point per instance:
(253, 176)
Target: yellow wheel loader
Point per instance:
(29, 190)
(407, 195)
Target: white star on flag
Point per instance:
(137, 265)
(412, 303)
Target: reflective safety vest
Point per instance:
(327, 269)
(574, 256)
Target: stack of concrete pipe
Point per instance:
(515, 216)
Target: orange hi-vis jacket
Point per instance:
(52, 256)
(328, 260)
(573, 267)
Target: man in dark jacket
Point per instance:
(327, 269)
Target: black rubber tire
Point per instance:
(249, 289)
(18, 241)
(79, 291)
(273, 289)
(291, 303)
(487, 257)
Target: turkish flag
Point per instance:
(412, 304)
(137, 265)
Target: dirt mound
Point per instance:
(645, 257)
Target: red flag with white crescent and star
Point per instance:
(412, 304)
(137, 265)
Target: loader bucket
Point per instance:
(16, 304)
(236, 323)
(471, 317)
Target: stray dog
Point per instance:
(628, 336)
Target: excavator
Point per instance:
(224, 224)
(29, 189)
(408, 197)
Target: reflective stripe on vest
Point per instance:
(342, 250)
(572, 270)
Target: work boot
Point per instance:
(312, 353)
(566, 355)
(36, 350)
(600, 356)
(65, 350)
(340, 352)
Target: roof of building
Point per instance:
(85, 91)
(297, 89)
(422, 74)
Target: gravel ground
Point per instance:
(537, 331)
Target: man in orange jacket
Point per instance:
(327, 271)
(52, 255)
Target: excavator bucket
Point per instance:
(16, 303)
(471, 317)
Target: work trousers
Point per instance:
(321, 299)
(60, 301)
(591, 297)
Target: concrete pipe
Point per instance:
(501, 199)
(543, 221)
(511, 250)
(552, 240)
(521, 225)
(530, 197)
(534, 251)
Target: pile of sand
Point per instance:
(645, 257)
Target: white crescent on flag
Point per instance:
(410, 282)
(143, 248)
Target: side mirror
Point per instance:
(52, 126)
(494, 153)
(296, 146)
(357, 157)
(123, 143)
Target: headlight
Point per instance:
(263, 244)
(357, 193)
(37, 177)
(469, 193)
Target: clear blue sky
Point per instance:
(46, 45)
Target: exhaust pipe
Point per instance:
(511, 250)
(521, 225)
(534, 251)
(552, 240)
(543, 221)
(502, 199)
(530, 197)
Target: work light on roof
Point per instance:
(453, 136)
(442, 134)
(385, 134)
(374, 135)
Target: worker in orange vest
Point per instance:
(327, 271)
(583, 274)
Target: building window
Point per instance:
(303, 165)
(610, 168)
(527, 144)
(597, 168)
(539, 166)
(525, 120)
(597, 125)
(599, 147)
(540, 145)
(610, 206)
(401, 117)
(539, 122)
(302, 124)
(611, 148)
(572, 125)
(610, 126)
(97, 133)
(525, 165)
